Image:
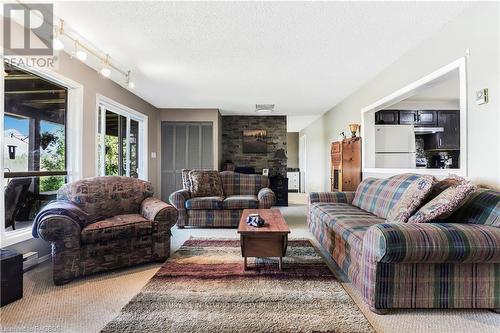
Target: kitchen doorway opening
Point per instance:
(420, 128)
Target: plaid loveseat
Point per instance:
(103, 223)
(241, 191)
(452, 263)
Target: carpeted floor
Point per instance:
(204, 288)
(86, 305)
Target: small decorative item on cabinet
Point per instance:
(353, 128)
(279, 185)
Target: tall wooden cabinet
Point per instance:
(345, 159)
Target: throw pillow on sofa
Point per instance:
(446, 197)
(379, 196)
(205, 183)
(186, 182)
(411, 199)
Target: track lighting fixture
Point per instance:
(82, 51)
(57, 44)
(129, 82)
(105, 71)
(79, 52)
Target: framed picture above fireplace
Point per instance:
(254, 141)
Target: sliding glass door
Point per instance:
(121, 142)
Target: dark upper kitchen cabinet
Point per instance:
(427, 118)
(449, 139)
(387, 117)
(418, 118)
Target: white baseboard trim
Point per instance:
(44, 258)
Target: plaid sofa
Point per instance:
(452, 263)
(103, 223)
(241, 191)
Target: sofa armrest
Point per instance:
(333, 197)
(59, 228)
(432, 243)
(154, 209)
(266, 197)
(178, 199)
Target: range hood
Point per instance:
(427, 130)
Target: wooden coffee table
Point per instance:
(269, 240)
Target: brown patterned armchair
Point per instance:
(103, 223)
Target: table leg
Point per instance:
(281, 264)
(245, 264)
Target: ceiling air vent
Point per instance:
(264, 108)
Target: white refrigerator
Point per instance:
(395, 146)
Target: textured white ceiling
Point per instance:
(303, 57)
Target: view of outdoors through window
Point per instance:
(34, 152)
(121, 144)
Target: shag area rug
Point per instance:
(204, 288)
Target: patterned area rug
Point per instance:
(203, 288)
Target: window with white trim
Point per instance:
(122, 140)
(34, 152)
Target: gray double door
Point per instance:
(183, 146)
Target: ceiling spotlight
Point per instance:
(79, 53)
(105, 71)
(57, 44)
(129, 82)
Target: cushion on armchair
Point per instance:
(116, 227)
(205, 183)
(102, 197)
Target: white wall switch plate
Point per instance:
(153, 154)
(482, 96)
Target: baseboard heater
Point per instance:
(31, 259)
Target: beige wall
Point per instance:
(476, 29)
(94, 84)
(292, 149)
(187, 115)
